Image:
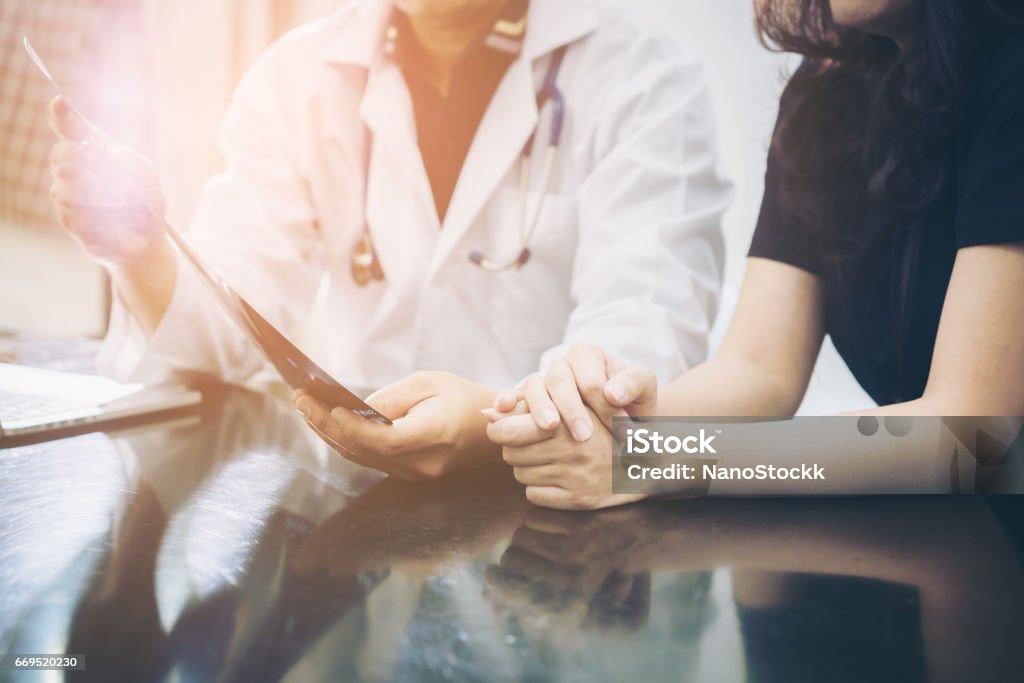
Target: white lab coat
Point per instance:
(628, 253)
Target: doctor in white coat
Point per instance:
(360, 149)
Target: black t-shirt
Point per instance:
(883, 297)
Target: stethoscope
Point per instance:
(365, 263)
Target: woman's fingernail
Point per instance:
(302, 405)
(615, 391)
(582, 429)
(549, 417)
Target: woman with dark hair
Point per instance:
(892, 220)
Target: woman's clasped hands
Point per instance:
(555, 429)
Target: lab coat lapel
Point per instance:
(400, 206)
(387, 112)
(510, 119)
(498, 143)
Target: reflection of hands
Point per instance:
(437, 425)
(575, 566)
(557, 470)
(415, 526)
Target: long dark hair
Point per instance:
(867, 119)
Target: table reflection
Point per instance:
(240, 550)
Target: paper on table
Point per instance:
(76, 388)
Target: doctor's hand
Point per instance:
(101, 190)
(437, 426)
(586, 383)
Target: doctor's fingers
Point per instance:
(506, 400)
(395, 400)
(88, 191)
(412, 447)
(544, 453)
(569, 387)
(553, 497)
(542, 408)
(591, 367)
(493, 414)
(107, 171)
(318, 417)
(117, 235)
(343, 431)
(108, 220)
(367, 436)
(517, 430)
(560, 385)
(635, 389)
(552, 474)
(69, 124)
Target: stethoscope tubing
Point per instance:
(548, 93)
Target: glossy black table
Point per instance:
(234, 547)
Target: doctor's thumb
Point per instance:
(635, 389)
(66, 121)
(395, 400)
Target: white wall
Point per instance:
(745, 81)
(48, 286)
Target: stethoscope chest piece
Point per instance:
(479, 259)
(365, 264)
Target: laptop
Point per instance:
(35, 401)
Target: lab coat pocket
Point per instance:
(530, 306)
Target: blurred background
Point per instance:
(158, 75)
